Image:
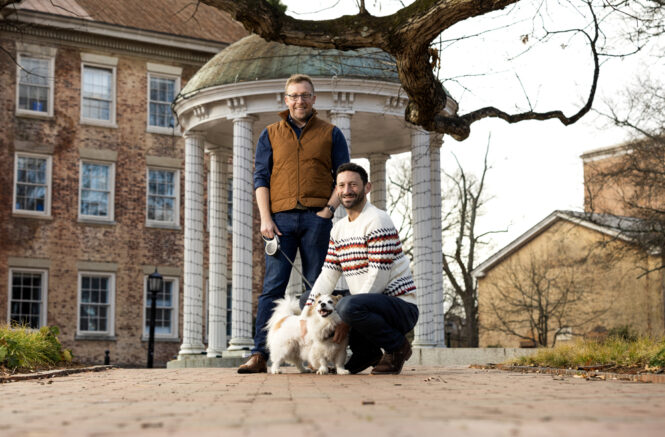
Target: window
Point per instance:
(32, 184)
(98, 89)
(162, 93)
(27, 297)
(163, 197)
(166, 314)
(163, 86)
(35, 84)
(96, 191)
(96, 303)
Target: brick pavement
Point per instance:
(423, 401)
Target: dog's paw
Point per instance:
(322, 370)
(342, 371)
(275, 371)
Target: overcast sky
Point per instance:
(536, 167)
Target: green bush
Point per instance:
(659, 359)
(25, 348)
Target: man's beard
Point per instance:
(357, 200)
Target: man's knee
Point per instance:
(347, 308)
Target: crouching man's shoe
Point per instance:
(255, 364)
(391, 363)
(359, 362)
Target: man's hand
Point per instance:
(303, 329)
(341, 331)
(269, 228)
(325, 213)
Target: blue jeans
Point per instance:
(377, 321)
(303, 230)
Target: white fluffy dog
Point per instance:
(286, 344)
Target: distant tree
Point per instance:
(463, 198)
(543, 294)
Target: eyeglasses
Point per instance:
(296, 97)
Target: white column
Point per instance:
(377, 170)
(192, 343)
(437, 263)
(422, 234)
(217, 258)
(341, 119)
(241, 317)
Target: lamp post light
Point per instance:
(155, 284)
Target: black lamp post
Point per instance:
(155, 284)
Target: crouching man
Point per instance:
(381, 307)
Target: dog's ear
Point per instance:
(336, 298)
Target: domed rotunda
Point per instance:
(222, 111)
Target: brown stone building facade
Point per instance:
(91, 167)
(580, 274)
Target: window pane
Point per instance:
(34, 84)
(162, 93)
(162, 195)
(25, 306)
(95, 304)
(95, 189)
(31, 183)
(97, 93)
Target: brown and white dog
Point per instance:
(317, 348)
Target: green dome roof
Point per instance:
(252, 58)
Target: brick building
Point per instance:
(91, 166)
(600, 266)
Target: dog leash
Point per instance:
(272, 247)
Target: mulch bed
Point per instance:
(47, 372)
(595, 373)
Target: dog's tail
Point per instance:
(289, 306)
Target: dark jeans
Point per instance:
(303, 230)
(377, 321)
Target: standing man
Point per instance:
(294, 179)
(381, 308)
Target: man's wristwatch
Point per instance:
(331, 208)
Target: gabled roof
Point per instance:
(620, 227)
(184, 18)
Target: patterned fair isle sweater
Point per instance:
(368, 252)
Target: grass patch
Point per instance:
(614, 352)
(23, 349)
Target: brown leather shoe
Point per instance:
(255, 364)
(392, 363)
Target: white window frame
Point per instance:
(175, 223)
(49, 184)
(107, 63)
(44, 53)
(43, 316)
(111, 212)
(175, 329)
(162, 72)
(110, 314)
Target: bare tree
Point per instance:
(463, 202)
(408, 36)
(400, 189)
(463, 198)
(546, 293)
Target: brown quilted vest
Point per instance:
(302, 169)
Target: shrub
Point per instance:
(25, 348)
(613, 351)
